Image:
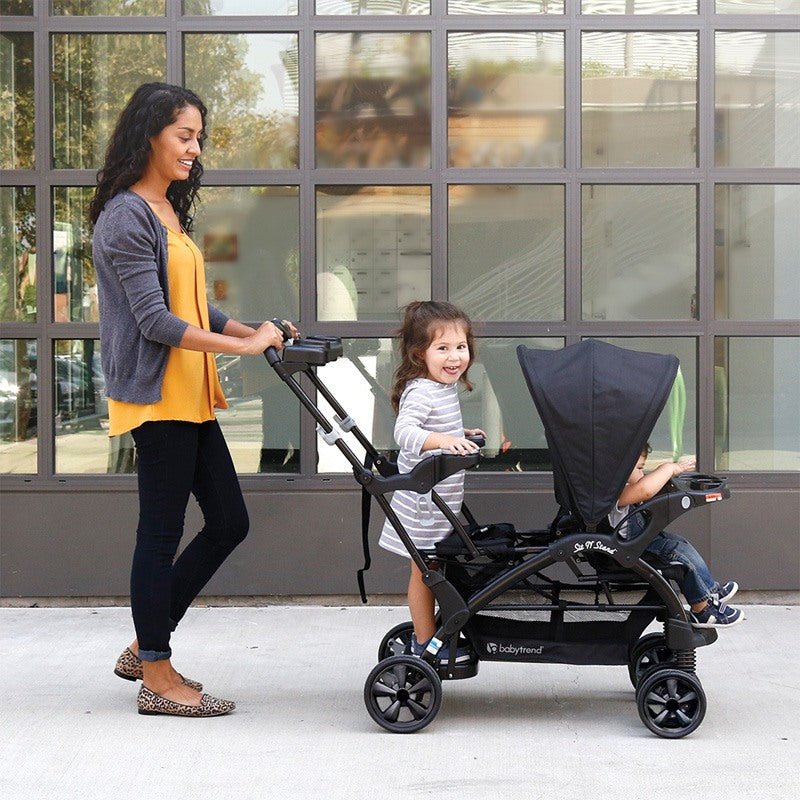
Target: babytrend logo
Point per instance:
(491, 647)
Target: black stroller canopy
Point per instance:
(599, 404)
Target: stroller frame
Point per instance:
(403, 692)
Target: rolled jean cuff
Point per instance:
(154, 655)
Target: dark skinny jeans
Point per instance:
(176, 459)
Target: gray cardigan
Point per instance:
(137, 328)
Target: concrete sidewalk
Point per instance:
(301, 730)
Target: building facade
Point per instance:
(619, 169)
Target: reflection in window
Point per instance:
(373, 250)
(639, 99)
(249, 236)
(81, 412)
(505, 99)
(249, 83)
(757, 242)
(109, 8)
(757, 99)
(17, 254)
(758, 6)
(506, 251)
(675, 432)
(756, 397)
(262, 422)
(361, 382)
(500, 403)
(18, 417)
(373, 99)
(505, 7)
(16, 90)
(16, 8)
(74, 283)
(639, 252)
(94, 76)
(639, 6)
(239, 7)
(394, 7)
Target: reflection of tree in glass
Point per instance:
(17, 270)
(16, 98)
(239, 134)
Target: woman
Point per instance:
(158, 335)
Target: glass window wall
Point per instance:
(81, 412)
(17, 254)
(505, 99)
(250, 236)
(249, 83)
(93, 77)
(109, 8)
(505, 7)
(639, 252)
(373, 250)
(639, 99)
(758, 6)
(373, 99)
(639, 6)
(74, 282)
(756, 397)
(757, 241)
(356, 7)
(18, 410)
(506, 251)
(17, 124)
(232, 8)
(757, 99)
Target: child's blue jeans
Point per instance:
(698, 585)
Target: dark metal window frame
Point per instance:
(705, 176)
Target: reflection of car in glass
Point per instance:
(17, 392)
(229, 369)
(80, 392)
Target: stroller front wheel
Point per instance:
(403, 693)
(671, 702)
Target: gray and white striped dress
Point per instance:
(426, 407)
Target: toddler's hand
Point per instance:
(458, 445)
(688, 464)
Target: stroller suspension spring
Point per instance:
(686, 660)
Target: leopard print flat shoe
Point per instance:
(129, 667)
(152, 703)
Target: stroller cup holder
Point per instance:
(697, 482)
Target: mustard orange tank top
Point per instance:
(190, 390)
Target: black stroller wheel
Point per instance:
(396, 642)
(671, 702)
(646, 653)
(403, 694)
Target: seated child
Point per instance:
(707, 598)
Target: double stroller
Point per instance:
(574, 592)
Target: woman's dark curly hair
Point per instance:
(421, 322)
(152, 107)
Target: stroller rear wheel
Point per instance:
(403, 693)
(397, 641)
(646, 653)
(671, 702)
